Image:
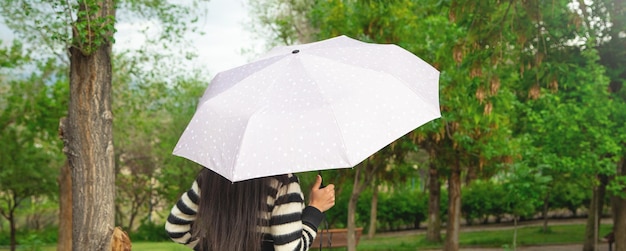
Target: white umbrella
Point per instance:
(316, 106)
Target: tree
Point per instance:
(87, 131)
(568, 93)
(364, 173)
(282, 22)
(150, 115)
(505, 67)
(613, 58)
(394, 177)
(87, 28)
(525, 188)
(31, 155)
(395, 22)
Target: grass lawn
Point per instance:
(526, 236)
(137, 246)
(159, 246)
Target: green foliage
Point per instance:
(482, 199)
(153, 98)
(403, 208)
(87, 25)
(617, 186)
(150, 114)
(149, 231)
(399, 207)
(31, 107)
(570, 128)
(524, 189)
(513, 89)
(11, 58)
(568, 193)
(528, 236)
(31, 238)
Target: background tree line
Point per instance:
(531, 93)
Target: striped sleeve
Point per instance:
(292, 225)
(182, 216)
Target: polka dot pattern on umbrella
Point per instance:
(330, 105)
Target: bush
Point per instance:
(569, 195)
(398, 209)
(31, 237)
(150, 231)
(482, 199)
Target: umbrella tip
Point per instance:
(295, 51)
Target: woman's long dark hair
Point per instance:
(229, 213)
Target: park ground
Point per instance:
(576, 247)
(603, 246)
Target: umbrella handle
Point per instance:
(321, 184)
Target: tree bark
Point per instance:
(65, 209)
(589, 244)
(594, 215)
(453, 226)
(544, 211)
(619, 214)
(354, 197)
(619, 223)
(373, 211)
(433, 231)
(515, 217)
(120, 240)
(364, 172)
(12, 204)
(13, 241)
(88, 138)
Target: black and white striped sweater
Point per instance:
(292, 226)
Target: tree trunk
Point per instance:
(433, 231)
(373, 211)
(354, 197)
(619, 214)
(120, 240)
(619, 223)
(65, 209)
(12, 204)
(364, 172)
(454, 208)
(88, 138)
(13, 241)
(515, 232)
(594, 215)
(590, 240)
(544, 212)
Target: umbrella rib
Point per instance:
(241, 143)
(425, 64)
(420, 95)
(329, 105)
(270, 61)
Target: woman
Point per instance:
(259, 214)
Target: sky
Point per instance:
(5, 34)
(225, 36)
(218, 50)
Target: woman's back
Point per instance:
(216, 214)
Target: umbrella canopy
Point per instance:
(316, 106)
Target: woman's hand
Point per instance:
(324, 198)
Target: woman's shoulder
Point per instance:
(291, 178)
(285, 178)
(286, 181)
